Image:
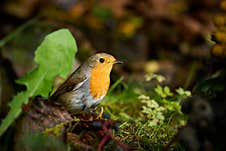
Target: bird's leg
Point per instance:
(101, 113)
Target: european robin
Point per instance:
(85, 88)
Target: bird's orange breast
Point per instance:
(99, 80)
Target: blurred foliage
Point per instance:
(174, 33)
(206, 108)
(213, 86)
(38, 142)
(219, 49)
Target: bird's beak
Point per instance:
(118, 62)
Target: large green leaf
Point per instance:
(54, 57)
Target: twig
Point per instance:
(108, 136)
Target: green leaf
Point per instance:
(55, 56)
(183, 93)
(152, 76)
(167, 91)
(163, 91)
(159, 91)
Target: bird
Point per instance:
(86, 87)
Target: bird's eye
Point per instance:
(101, 60)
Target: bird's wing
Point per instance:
(73, 82)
